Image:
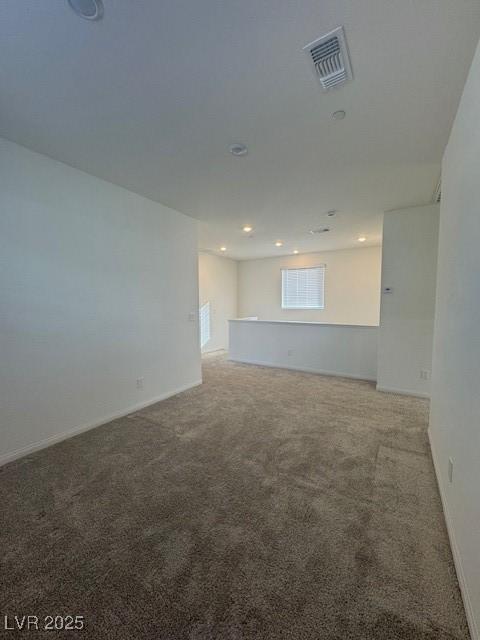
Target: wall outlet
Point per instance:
(192, 316)
(289, 352)
(424, 374)
(140, 382)
(450, 470)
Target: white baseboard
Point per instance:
(208, 351)
(322, 372)
(47, 442)
(467, 603)
(403, 392)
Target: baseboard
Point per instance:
(467, 603)
(47, 442)
(208, 351)
(403, 392)
(321, 372)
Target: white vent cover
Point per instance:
(329, 55)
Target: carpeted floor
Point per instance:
(264, 504)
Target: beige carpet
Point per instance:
(264, 504)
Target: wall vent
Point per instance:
(321, 230)
(437, 194)
(329, 55)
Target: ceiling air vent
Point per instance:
(329, 55)
(321, 230)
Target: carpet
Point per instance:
(265, 504)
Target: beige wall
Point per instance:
(352, 287)
(218, 285)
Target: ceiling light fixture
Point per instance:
(295, 251)
(238, 149)
(223, 248)
(362, 239)
(247, 228)
(339, 115)
(87, 9)
(278, 243)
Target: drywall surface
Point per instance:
(352, 287)
(218, 287)
(455, 399)
(341, 350)
(98, 288)
(409, 267)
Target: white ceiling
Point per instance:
(151, 97)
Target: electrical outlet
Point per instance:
(140, 383)
(424, 374)
(289, 352)
(450, 470)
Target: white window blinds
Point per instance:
(204, 324)
(303, 288)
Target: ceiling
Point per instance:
(151, 96)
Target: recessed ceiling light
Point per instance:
(238, 149)
(223, 248)
(278, 243)
(87, 9)
(331, 213)
(339, 115)
(247, 228)
(295, 251)
(362, 239)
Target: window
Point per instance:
(204, 324)
(303, 288)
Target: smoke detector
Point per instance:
(329, 55)
(87, 9)
(238, 149)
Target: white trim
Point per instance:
(321, 324)
(312, 266)
(207, 351)
(47, 442)
(457, 559)
(403, 392)
(321, 372)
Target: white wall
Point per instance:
(455, 404)
(409, 267)
(352, 287)
(96, 288)
(348, 351)
(218, 285)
